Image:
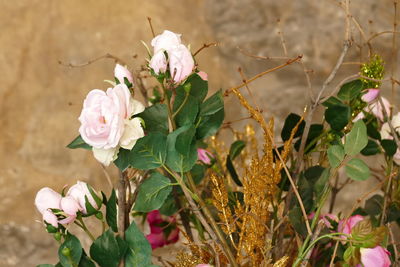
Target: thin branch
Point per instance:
(109, 56)
(151, 27)
(228, 91)
(203, 47)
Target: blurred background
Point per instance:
(40, 100)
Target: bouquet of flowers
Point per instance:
(258, 201)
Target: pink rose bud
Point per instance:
(78, 192)
(181, 63)
(371, 95)
(345, 226)
(165, 41)
(158, 62)
(203, 75)
(70, 206)
(375, 257)
(204, 156)
(106, 124)
(377, 110)
(50, 218)
(121, 72)
(47, 199)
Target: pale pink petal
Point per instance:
(46, 199)
(121, 72)
(50, 218)
(375, 257)
(371, 95)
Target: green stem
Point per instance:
(83, 226)
(181, 106)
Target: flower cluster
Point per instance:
(170, 54)
(58, 209)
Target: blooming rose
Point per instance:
(121, 72)
(106, 124)
(45, 200)
(374, 257)
(204, 156)
(157, 238)
(78, 192)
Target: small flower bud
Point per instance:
(66, 252)
(57, 236)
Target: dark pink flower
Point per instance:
(204, 156)
(162, 231)
(374, 257)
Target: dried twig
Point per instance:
(71, 65)
(203, 47)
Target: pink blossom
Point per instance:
(157, 237)
(158, 62)
(203, 75)
(370, 95)
(181, 63)
(78, 192)
(374, 257)
(165, 41)
(204, 156)
(345, 226)
(121, 72)
(376, 108)
(106, 124)
(50, 218)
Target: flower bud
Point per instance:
(66, 252)
(204, 156)
(79, 191)
(181, 63)
(165, 41)
(69, 205)
(57, 236)
(46, 199)
(121, 72)
(370, 95)
(50, 218)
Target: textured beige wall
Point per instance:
(40, 100)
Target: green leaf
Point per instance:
(372, 148)
(350, 90)
(306, 192)
(372, 127)
(315, 131)
(389, 146)
(188, 113)
(199, 87)
(105, 250)
(122, 246)
(335, 155)
(185, 139)
(313, 173)
(232, 171)
(79, 143)
(332, 101)
(290, 122)
(209, 125)
(357, 170)
(74, 249)
(357, 139)
(212, 105)
(197, 172)
(155, 118)
(236, 148)
(297, 220)
(149, 152)
(139, 249)
(169, 207)
(111, 211)
(152, 193)
(86, 262)
(175, 160)
(338, 116)
(122, 162)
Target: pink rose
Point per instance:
(78, 192)
(45, 200)
(165, 41)
(370, 95)
(345, 226)
(121, 72)
(374, 257)
(204, 156)
(71, 207)
(181, 63)
(157, 237)
(106, 124)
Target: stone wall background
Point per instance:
(40, 100)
